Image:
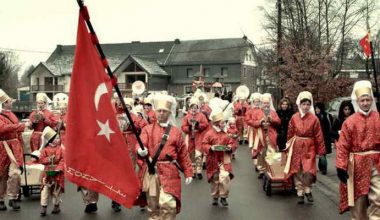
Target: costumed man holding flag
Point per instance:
(39, 119)
(219, 147)
(11, 158)
(358, 156)
(264, 122)
(193, 124)
(165, 149)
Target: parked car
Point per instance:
(332, 106)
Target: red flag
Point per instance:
(364, 42)
(96, 154)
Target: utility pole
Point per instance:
(279, 39)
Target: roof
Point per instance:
(211, 51)
(150, 66)
(154, 55)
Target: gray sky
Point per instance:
(39, 25)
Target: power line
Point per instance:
(22, 50)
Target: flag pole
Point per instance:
(94, 38)
(374, 72)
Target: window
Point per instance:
(189, 72)
(188, 89)
(224, 71)
(244, 72)
(55, 80)
(206, 72)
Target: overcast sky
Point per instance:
(39, 25)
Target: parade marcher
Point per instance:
(206, 110)
(127, 130)
(233, 133)
(358, 156)
(11, 153)
(305, 141)
(255, 99)
(163, 143)
(193, 124)
(53, 181)
(150, 115)
(219, 148)
(61, 125)
(90, 199)
(39, 119)
(285, 113)
(346, 109)
(264, 122)
(326, 120)
(240, 109)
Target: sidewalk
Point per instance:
(329, 184)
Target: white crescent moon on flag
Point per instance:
(101, 90)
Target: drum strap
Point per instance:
(164, 138)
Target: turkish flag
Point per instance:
(364, 42)
(97, 156)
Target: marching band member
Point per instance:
(163, 143)
(219, 148)
(358, 156)
(264, 122)
(305, 141)
(53, 181)
(232, 132)
(39, 120)
(11, 156)
(193, 124)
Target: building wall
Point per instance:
(179, 73)
(157, 83)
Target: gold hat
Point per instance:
(48, 133)
(164, 105)
(41, 97)
(3, 96)
(129, 101)
(217, 117)
(266, 97)
(255, 96)
(305, 95)
(363, 91)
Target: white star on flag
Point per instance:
(105, 130)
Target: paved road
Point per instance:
(247, 201)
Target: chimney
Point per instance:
(177, 41)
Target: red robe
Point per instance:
(305, 150)
(168, 174)
(59, 162)
(255, 122)
(239, 112)
(359, 133)
(49, 120)
(248, 118)
(9, 132)
(214, 158)
(233, 134)
(130, 137)
(150, 116)
(194, 144)
(62, 131)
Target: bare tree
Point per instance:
(8, 72)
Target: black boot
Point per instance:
(3, 207)
(56, 209)
(300, 200)
(90, 208)
(204, 166)
(43, 210)
(200, 176)
(309, 197)
(246, 142)
(14, 204)
(224, 202)
(240, 142)
(116, 206)
(214, 201)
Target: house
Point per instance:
(167, 65)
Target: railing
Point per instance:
(53, 88)
(125, 86)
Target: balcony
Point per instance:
(47, 88)
(125, 86)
